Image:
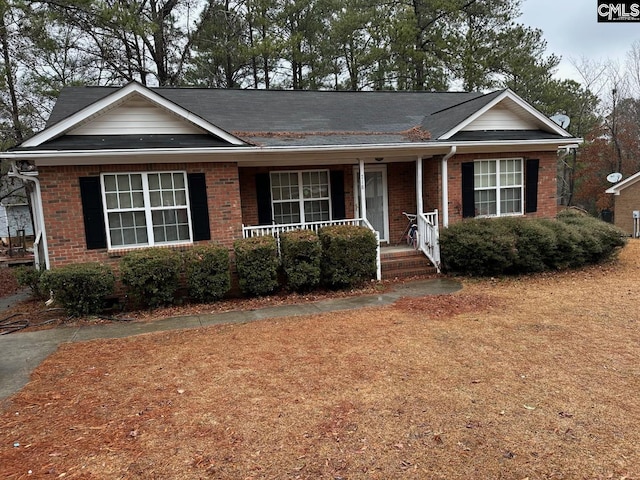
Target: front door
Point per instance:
(376, 197)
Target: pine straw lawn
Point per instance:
(534, 377)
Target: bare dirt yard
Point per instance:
(520, 378)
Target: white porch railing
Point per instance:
(276, 229)
(428, 237)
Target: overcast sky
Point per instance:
(571, 30)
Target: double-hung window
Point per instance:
(146, 209)
(498, 187)
(300, 197)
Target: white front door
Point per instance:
(376, 198)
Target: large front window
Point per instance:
(498, 187)
(300, 197)
(146, 209)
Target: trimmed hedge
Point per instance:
(257, 265)
(80, 288)
(207, 272)
(517, 245)
(477, 247)
(300, 255)
(348, 255)
(151, 276)
(30, 277)
(600, 240)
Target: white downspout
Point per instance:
(445, 186)
(38, 216)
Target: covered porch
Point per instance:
(373, 194)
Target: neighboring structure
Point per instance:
(626, 210)
(15, 217)
(130, 167)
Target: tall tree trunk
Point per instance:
(8, 73)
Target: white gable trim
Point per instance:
(508, 94)
(618, 187)
(116, 98)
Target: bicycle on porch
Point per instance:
(410, 233)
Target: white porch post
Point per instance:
(445, 186)
(363, 187)
(419, 197)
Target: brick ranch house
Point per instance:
(118, 168)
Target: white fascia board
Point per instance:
(618, 187)
(119, 96)
(241, 155)
(217, 154)
(508, 93)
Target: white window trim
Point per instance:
(498, 187)
(147, 209)
(301, 200)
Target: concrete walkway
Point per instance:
(21, 353)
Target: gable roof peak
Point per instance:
(117, 97)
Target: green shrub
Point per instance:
(80, 288)
(567, 252)
(599, 240)
(30, 277)
(515, 245)
(257, 265)
(301, 254)
(348, 255)
(478, 247)
(534, 242)
(151, 276)
(207, 272)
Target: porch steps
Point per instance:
(404, 262)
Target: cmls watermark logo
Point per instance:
(618, 11)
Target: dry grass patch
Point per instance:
(519, 378)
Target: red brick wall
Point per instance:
(400, 185)
(547, 188)
(248, 188)
(402, 189)
(63, 208)
(232, 198)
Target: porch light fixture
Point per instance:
(379, 159)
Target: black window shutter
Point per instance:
(91, 196)
(338, 211)
(531, 186)
(199, 206)
(468, 193)
(263, 194)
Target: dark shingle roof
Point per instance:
(257, 114)
(295, 117)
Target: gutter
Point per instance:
(408, 148)
(38, 216)
(445, 185)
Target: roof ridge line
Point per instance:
(496, 93)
